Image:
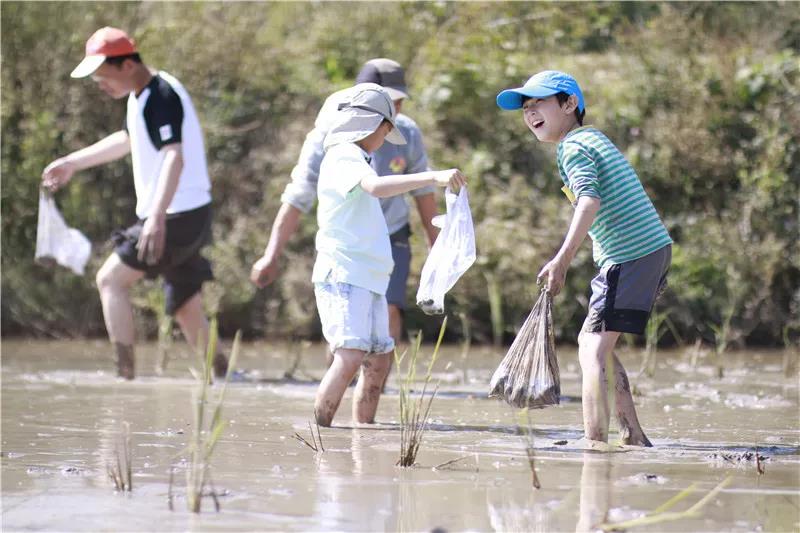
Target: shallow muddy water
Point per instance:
(62, 410)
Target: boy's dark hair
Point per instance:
(563, 97)
(117, 61)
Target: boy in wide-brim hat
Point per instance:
(354, 257)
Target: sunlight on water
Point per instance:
(62, 409)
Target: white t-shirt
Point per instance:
(160, 115)
(353, 241)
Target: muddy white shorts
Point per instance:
(353, 317)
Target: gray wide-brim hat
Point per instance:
(366, 107)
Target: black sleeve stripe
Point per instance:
(163, 114)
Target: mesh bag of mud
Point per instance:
(528, 375)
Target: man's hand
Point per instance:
(264, 271)
(151, 241)
(554, 274)
(451, 177)
(58, 173)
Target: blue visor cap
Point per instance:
(541, 85)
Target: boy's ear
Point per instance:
(570, 105)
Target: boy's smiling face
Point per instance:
(547, 119)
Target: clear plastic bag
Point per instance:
(528, 375)
(58, 243)
(451, 255)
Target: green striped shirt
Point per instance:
(627, 225)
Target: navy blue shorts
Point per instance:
(623, 295)
(401, 253)
(182, 267)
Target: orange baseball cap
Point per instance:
(105, 42)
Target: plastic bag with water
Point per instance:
(528, 375)
(451, 255)
(58, 243)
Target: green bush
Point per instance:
(702, 98)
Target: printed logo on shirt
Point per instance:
(165, 132)
(397, 164)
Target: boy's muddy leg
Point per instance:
(593, 349)
(335, 382)
(125, 360)
(630, 430)
(374, 370)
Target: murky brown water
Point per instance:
(62, 407)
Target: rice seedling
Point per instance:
(120, 470)
(696, 352)
(316, 441)
(495, 308)
(165, 327)
(466, 343)
(414, 413)
(656, 327)
(790, 351)
(525, 428)
(151, 298)
(205, 437)
(660, 514)
(724, 332)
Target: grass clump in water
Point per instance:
(316, 440)
(414, 411)
(120, 471)
(203, 440)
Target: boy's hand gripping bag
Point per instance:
(451, 255)
(56, 242)
(528, 375)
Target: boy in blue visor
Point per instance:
(630, 244)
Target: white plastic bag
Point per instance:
(451, 255)
(55, 241)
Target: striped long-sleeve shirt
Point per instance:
(627, 225)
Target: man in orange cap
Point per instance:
(173, 193)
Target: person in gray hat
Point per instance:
(299, 195)
(354, 256)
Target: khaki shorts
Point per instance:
(353, 317)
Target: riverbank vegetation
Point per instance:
(702, 98)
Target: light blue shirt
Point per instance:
(353, 240)
(387, 160)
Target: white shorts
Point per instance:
(353, 317)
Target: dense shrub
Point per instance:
(702, 98)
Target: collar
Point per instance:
(576, 130)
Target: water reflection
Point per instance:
(514, 508)
(350, 481)
(595, 490)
